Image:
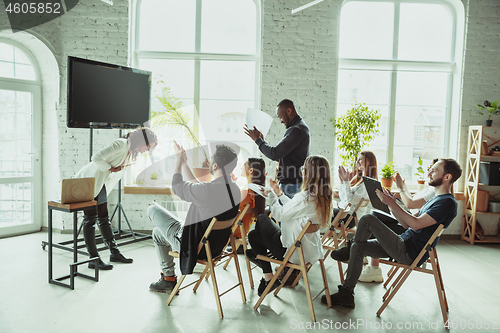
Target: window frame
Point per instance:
(35, 88)
(197, 56)
(452, 67)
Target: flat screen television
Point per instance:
(102, 95)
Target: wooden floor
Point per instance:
(122, 302)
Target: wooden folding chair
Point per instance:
(210, 264)
(407, 269)
(303, 267)
(336, 236)
(241, 242)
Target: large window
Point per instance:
(20, 149)
(401, 57)
(207, 53)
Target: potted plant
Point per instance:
(490, 109)
(387, 172)
(354, 130)
(420, 174)
(154, 177)
(174, 115)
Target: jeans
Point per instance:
(387, 244)
(291, 189)
(166, 237)
(266, 235)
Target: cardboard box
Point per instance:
(482, 200)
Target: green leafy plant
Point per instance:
(154, 176)
(174, 115)
(420, 170)
(388, 171)
(491, 109)
(140, 181)
(354, 130)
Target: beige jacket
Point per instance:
(112, 156)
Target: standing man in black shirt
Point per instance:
(291, 151)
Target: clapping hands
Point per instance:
(345, 175)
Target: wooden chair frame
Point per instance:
(336, 236)
(407, 269)
(241, 242)
(303, 267)
(210, 264)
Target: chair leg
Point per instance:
(249, 267)
(214, 280)
(391, 274)
(306, 284)
(441, 281)
(269, 286)
(287, 276)
(341, 272)
(405, 274)
(175, 290)
(203, 274)
(394, 283)
(439, 286)
(238, 271)
(325, 282)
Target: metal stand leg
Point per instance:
(73, 267)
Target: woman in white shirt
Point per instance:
(352, 189)
(107, 168)
(313, 203)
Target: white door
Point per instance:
(20, 153)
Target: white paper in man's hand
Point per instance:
(261, 120)
(258, 188)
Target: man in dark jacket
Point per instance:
(219, 198)
(291, 151)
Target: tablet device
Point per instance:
(372, 185)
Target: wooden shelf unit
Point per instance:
(471, 184)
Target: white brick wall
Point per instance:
(299, 62)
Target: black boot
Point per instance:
(109, 240)
(344, 297)
(89, 237)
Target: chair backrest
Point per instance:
(214, 225)
(428, 246)
(239, 218)
(334, 223)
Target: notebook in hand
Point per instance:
(372, 185)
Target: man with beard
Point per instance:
(219, 198)
(290, 152)
(406, 247)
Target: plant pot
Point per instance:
(153, 182)
(203, 174)
(386, 183)
(420, 184)
(488, 122)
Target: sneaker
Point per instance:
(343, 253)
(344, 297)
(164, 285)
(252, 257)
(263, 285)
(371, 274)
(290, 279)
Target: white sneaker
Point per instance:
(371, 274)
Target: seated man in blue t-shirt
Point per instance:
(404, 248)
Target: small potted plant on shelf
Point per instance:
(387, 172)
(420, 174)
(154, 177)
(491, 109)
